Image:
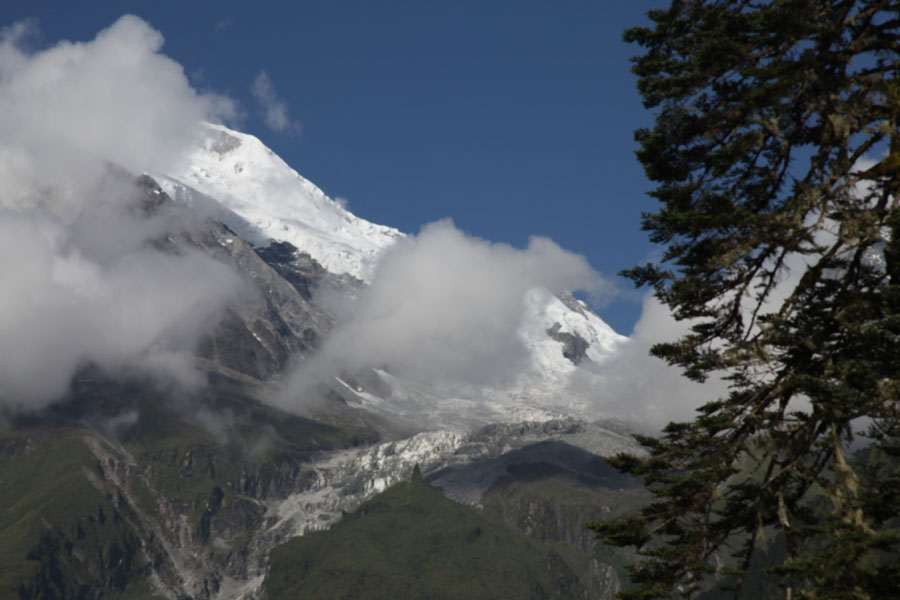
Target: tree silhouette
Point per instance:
(783, 252)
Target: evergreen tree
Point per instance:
(783, 251)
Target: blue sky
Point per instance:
(513, 118)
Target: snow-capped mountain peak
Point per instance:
(235, 179)
(263, 199)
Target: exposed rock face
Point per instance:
(298, 268)
(186, 521)
(574, 346)
(272, 321)
(303, 271)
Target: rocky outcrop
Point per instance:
(308, 277)
(272, 321)
(574, 346)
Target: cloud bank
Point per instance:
(640, 389)
(79, 281)
(445, 306)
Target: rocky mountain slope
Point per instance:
(185, 492)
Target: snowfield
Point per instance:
(261, 198)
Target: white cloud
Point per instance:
(80, 282)
(641, 389)
(444, 306)
(273, 109)
(71, 107)
(60, 310)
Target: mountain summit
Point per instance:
(259, 197)
(233, 178)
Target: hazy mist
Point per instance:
(79, 283)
